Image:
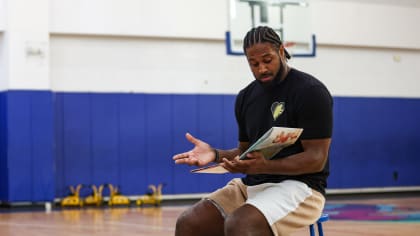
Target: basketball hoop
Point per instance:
(291, 19)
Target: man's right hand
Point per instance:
(201, 155)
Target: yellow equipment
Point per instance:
(115, 197)
(153, 198)
(74, 198)
(96, 197)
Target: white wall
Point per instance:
(188, 66)
(3, 73)
(366, 48)
(363, 24)
(3, 63)
(148, 65)
(24, 45)
(2, 16)
(368, 72)
(360, 23)
(162, 18)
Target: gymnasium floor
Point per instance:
(350, 215)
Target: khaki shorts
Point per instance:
(287, 206)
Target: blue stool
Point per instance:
(324, 217)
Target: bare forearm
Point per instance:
(302, 163)
(311, 160)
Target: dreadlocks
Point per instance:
(263, 34)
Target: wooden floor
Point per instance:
(160, 221)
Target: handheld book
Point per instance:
(272, 141)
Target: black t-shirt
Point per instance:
(303, 102)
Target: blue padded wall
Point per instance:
(158, 132)
(29, 146)
(4, 178)
(73, 152)
(184, 119)
(49, 141)
(19, 146)
(104, 126)
(129, 139)
(42, 140)
(375, 142)
(135, 136)
(132, 143)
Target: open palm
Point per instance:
(200, 155)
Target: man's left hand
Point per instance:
(254, 164)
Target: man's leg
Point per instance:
(286, 206)
(202, 219)
(247, 221)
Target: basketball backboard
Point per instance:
(291, 19)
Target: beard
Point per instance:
(269, 85)
(278, 77)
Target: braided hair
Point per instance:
(263, 34)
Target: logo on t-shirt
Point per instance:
(277, 108)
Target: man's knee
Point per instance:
(201, 219)
(186, 223)
(232, 223)
(247, 221)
